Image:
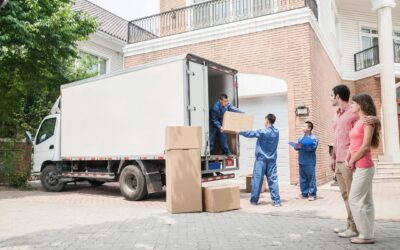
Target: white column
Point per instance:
(383, 9)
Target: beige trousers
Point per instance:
(344, 177)
(362, 203)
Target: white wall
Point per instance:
(352, 18)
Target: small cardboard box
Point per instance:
(221, 198)
(237, 121)
(183, 137)
(248, 184)
(183, 181)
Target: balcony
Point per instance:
(209, 14)
(370, 57)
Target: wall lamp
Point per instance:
(302, 110)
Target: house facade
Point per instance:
(290, 53)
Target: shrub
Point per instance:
(15, 167)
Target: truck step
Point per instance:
(216, 178)
(94, 175)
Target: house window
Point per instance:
(369, 37)
(92, 64)
(396, 36)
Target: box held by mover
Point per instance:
(237, 121)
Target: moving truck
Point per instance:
(112, 128)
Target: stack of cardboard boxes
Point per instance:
(183, 169)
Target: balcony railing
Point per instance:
(209, 14)
(370, 57)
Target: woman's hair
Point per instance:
(368, 108)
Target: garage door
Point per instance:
(259, 103)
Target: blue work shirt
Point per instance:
(309, 144)
(217, 113)
(267, 142)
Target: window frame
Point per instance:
(37, 139)
(99, 56)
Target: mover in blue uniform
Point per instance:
(307, 145)
(217, 112)
(265, 163)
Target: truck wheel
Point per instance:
(95, 183)
(132, 183)
(50, 179)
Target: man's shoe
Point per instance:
(301, 197)
(253, 203)
(312, 198)
(358, 240)
(229, 153)
(339, 230)
(348, 234)
(277, 205)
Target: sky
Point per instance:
(130, 9)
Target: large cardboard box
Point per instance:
(183, 137)
(237, 121)
(221, 198)
(248, 184)
(183, 180)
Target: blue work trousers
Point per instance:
(308, 185)
(268, 168)
(223, 139)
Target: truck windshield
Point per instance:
(46, 130)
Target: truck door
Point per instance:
(198, 100)
(44, 143)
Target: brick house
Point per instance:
(289, 54)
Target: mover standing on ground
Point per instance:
(265, 164)
(216, 115)
(307, 144)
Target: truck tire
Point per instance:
(132, 183)
(50, 179)
(95, 183)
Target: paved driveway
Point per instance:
(85, 217)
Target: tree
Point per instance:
(38, 49)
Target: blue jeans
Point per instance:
(268, 168)
(308, 185)
(223, 139)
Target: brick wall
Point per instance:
(284, 53)
(167, 5)
(22, 153)
(324, 77)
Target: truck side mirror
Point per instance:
(28, 137)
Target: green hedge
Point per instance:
(15, 164)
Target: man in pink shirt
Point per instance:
(343, 123)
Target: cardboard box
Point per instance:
(221, 198)
(183, 181)
(183, 137)
(248, 184)
(237, 121)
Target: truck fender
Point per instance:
(150, 172)
(152, 175)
